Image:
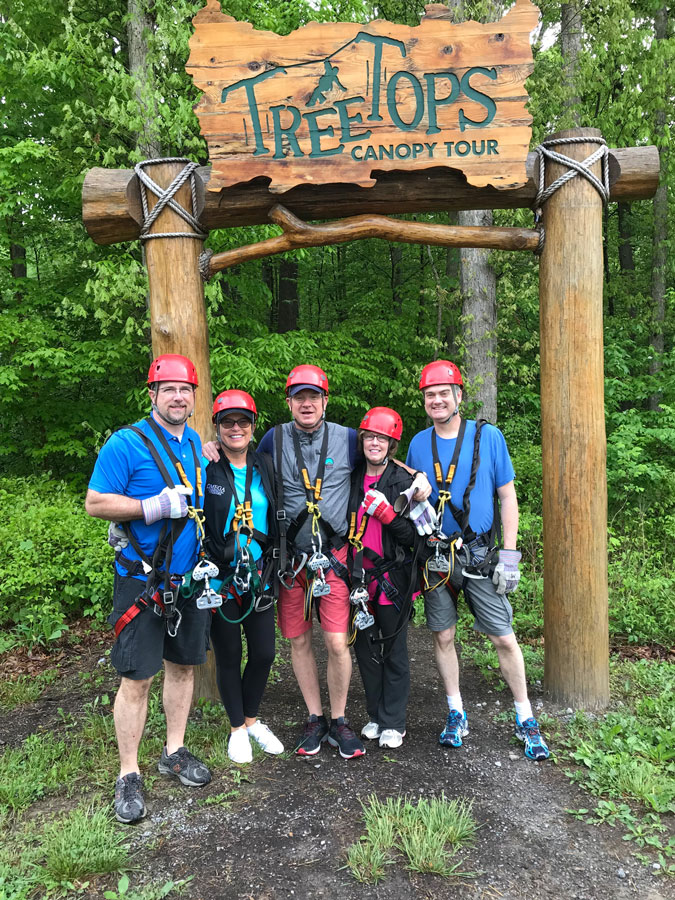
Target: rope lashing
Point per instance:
(574, 167)
(204, 261)
(166, 198)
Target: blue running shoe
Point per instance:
(455, 729)
(528, 732)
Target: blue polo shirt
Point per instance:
(125, 466)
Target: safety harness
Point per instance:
(162, 587)
(465, 544)
(362, 618)
(292, 562)
(231, 548)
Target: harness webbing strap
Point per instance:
(168, 536)
(313, 491)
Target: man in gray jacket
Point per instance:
(313, 460)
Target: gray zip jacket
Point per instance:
(340, 460)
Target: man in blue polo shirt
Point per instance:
(148, 477)
(472, 486)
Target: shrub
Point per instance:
(56, 561)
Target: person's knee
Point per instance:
(445, 639)
(302, 644)
(336, 644)
(504, 643)
(177, 673)
(134, 691)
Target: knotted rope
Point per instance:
(574, 167)
(165, 197)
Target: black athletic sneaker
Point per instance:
(129, 802)
(315, 733)
(186, 767)
(342, 736)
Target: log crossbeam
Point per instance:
(297, 234)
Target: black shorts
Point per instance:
(144, 642)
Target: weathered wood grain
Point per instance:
(299, 234)
(111, 208)
(573, 440)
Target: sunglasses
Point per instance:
(229, 424)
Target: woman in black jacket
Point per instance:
(383, 575)
(239, 507)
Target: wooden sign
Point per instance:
(337, 102)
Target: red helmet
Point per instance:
(311, 377)
(383, 420)
(442, 371)
(172, 367)
(230, 401)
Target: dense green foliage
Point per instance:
(75, 344)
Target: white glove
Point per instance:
(169, 504)
(507, 573)
(117, 537)
(421, 486)
(423, 516)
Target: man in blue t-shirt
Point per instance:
(148, 477)
(468, 476)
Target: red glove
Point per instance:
(376, 504)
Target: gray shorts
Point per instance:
(492, 612)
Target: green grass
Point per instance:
(425, 835)
(24, 689)
(82, 844)
(626, 759)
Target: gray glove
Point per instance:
(117, 537)
(507, 572)
(423, 516)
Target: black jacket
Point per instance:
(217, 501)
(400, 534)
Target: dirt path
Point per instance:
(285, 833)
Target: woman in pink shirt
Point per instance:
(384, 576)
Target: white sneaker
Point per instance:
(391, 738)
(262, 735)
(371, 731)
(239, 747)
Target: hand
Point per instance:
(422, 487)
(376, 504)
(507, 572)
(170, 504)
(117, 537)
(423, 516)
(211, 450)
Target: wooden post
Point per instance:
(574, 447)
(178, 319)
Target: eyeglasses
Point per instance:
(379, 438)
(229, 424)
(185, 390)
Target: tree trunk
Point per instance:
(395, 257)
(479, 318)
(570, 46)
(626, 259)
(287, 319)
(477, 280)
(660, 230)
(17, 255)
(140, 23)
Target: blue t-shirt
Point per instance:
(495, 470)
(125, 466)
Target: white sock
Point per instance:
(523, 710)
(455, 702)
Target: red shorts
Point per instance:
(333, 607)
